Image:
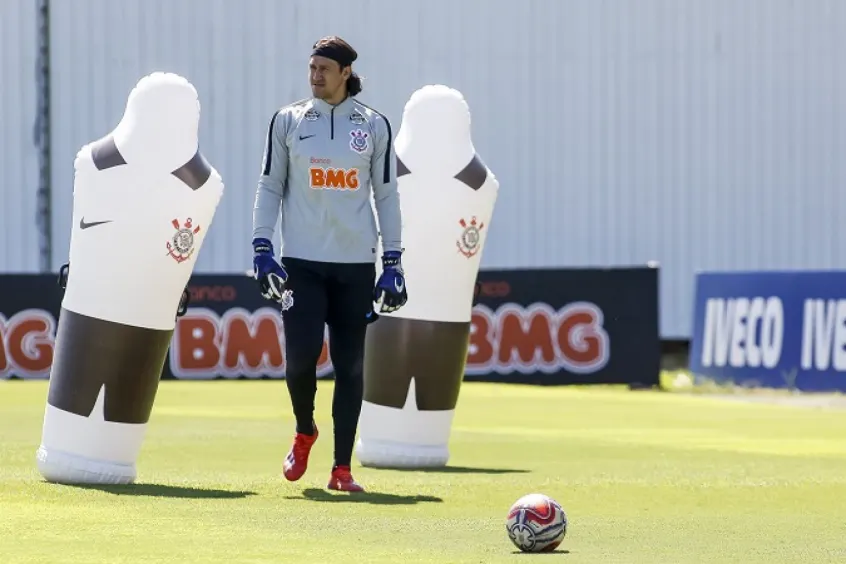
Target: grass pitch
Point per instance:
(644, 477)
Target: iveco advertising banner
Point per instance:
(771, 329)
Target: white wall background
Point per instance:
(19, 251)
(704, 134)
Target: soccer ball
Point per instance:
(536, 523)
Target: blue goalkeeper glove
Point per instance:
(270, 275)
(390, 288)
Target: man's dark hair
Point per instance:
(335, 48)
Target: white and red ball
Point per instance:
(536, 523)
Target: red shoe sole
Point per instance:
(332, 485)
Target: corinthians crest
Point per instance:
(468, 243)
(181, 246)
(358, 143)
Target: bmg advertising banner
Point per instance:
(771, 329)
(586, 326)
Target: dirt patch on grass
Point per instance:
(683, 382)
(814, 401)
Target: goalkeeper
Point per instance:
(324, 157)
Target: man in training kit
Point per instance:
(323, 158)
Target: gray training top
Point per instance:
(321, 164)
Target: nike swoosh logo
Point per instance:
(305, 137)
(83, 225)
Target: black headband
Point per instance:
(338, 54)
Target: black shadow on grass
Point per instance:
(456, 470)
(539, 553)
(315, 494)
(161, 490)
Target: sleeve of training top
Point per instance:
(383, 176)
(274, 174)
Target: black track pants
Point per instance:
(340, 296)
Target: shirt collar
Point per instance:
(341, 108)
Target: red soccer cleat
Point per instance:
(343, 481)
(296, 462)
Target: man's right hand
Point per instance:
(269, 273)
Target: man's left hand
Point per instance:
(390, 288)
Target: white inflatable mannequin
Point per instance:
(447, 195)
(144, 200)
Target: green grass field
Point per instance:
(644, 477)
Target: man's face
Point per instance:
(326, 77)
